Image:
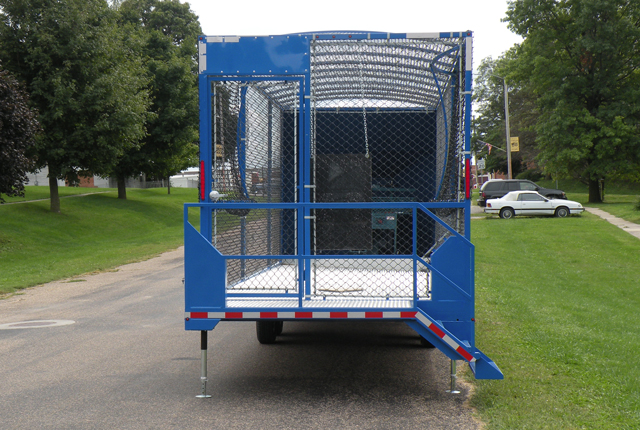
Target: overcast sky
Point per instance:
(269, 17)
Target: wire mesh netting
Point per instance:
(254, 160)
(385, 120)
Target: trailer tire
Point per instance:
(266, 331)
(279, 327)
(424, 342)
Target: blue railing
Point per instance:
(304, 254)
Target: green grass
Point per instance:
(40, 192)
(619, 200)
(95, 232)
(557, 308)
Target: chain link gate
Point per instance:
(255, 160)
(383, 130)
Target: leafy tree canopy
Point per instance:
(580, 59)
(489, 122)
(88, 88)
(168, 32)
(18, 129)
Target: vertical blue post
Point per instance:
(414, 235)
(267, 182)
(468, 80)
(206, 145)
(243, 246)
(305, 177)
(241, 143)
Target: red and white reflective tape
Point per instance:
(300, 315)
(338, 315)
(448, 339)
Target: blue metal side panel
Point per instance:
(358, 35)
(201, 324)
(454, 308)
(205, 272)
(287, 54)
(484, 368)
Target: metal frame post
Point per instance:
(454, 378)
(243, 246)
(203, 366)
(204, 88)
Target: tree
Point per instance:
(581, 60)
(168, 32)
(18, 129)
(88, 88)
(489, 121)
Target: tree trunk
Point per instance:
(122, 189)
(168, 184)
(595, 196)
(53, 193)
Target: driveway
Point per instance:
(109, 350)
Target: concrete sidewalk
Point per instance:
(629, 227)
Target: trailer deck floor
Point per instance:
(359, 286)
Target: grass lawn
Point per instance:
(40, 192)
(558, 305)
(95, 232)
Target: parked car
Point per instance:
(531, 203)
(496, 188)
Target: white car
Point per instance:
(530, 203)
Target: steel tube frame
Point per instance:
(457, 51)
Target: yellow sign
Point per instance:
(515, 144)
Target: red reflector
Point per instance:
(436, 330)
(199, 315)
(304, 314)
(268, 314)
(233, 315)
(407, 314)
(202, 191)
(338, 315)
(468, 179)
(373, 314)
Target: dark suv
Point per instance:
(496, 188)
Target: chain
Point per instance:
(364, 110)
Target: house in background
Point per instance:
(185, 179)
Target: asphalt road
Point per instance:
(124, 361)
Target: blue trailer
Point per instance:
(335, 184)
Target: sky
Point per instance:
(272, 17)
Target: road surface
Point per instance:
(109, 350)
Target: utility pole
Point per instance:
(508, 131)
(506, 122)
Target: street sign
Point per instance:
(480, 164)
(515, 144)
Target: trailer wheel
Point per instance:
(424, 342)
(266, 331)
(279, 327)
